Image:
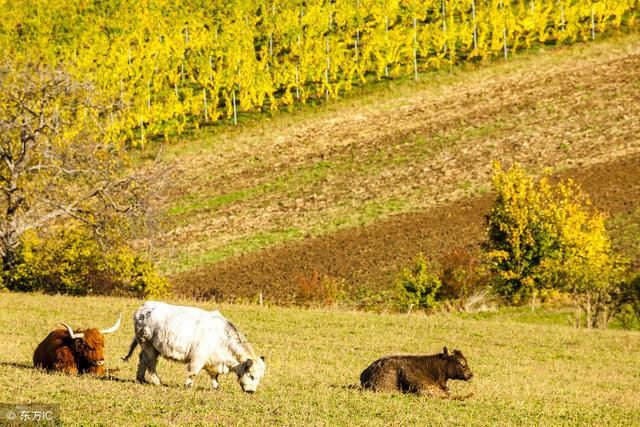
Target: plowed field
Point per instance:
(422, 159)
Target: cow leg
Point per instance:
(214, 378)
(142, 367)
(152, 363)
(148, 363)
(193, 369)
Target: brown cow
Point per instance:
(72, 352)
(421, 374)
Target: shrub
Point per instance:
(73, 262)
(417, 286)
(463, 279)
(632, 296)
(318, 289)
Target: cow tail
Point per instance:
(134, 343)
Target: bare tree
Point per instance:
(57, 161)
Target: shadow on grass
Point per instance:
(17, 365)
(356, 387)
(29, 366)
(347, 386)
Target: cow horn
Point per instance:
(113, 328)
(73, 336)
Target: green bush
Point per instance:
(417, 287)
(73, 262)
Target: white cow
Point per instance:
(202, 339)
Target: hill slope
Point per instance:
(361, 186)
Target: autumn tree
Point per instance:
(542, 237)
(583, 263)
(519, 233)
(57, 158)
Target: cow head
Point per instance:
(88, 347)
(457, 366)
(249, 373)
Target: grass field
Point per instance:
(526, 373)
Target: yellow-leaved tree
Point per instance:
(582, 263)
(542, 238)
(519, 231)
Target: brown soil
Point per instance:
(373, 254)
(579, 115)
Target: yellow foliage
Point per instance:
(155, 58)
(542, 237)
(72, 262)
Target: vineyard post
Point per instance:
(204, 97)
(233, 102)
(327, 71)
(297, 84)
(415, 50)
(475, 25)
(504, 31)
(270, 45)
(357, 29)
(386, 39)
(444, 25)
(299, 50)
(357, 41)
(593, 24)
(141, 132)
(326, 76)
(504, 37)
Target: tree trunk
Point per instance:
(605, 318)
(588, 311)
(576, 310)
(533, 301)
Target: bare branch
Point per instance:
(40, 167)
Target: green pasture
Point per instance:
(526, 372)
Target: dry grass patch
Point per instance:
(524, 373)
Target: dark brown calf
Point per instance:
(72, 352)
(422, 374)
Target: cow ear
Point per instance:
(445, 351)
(262, 357)
(249, 363)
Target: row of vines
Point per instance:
(166, 63)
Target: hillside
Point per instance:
(356, 188)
